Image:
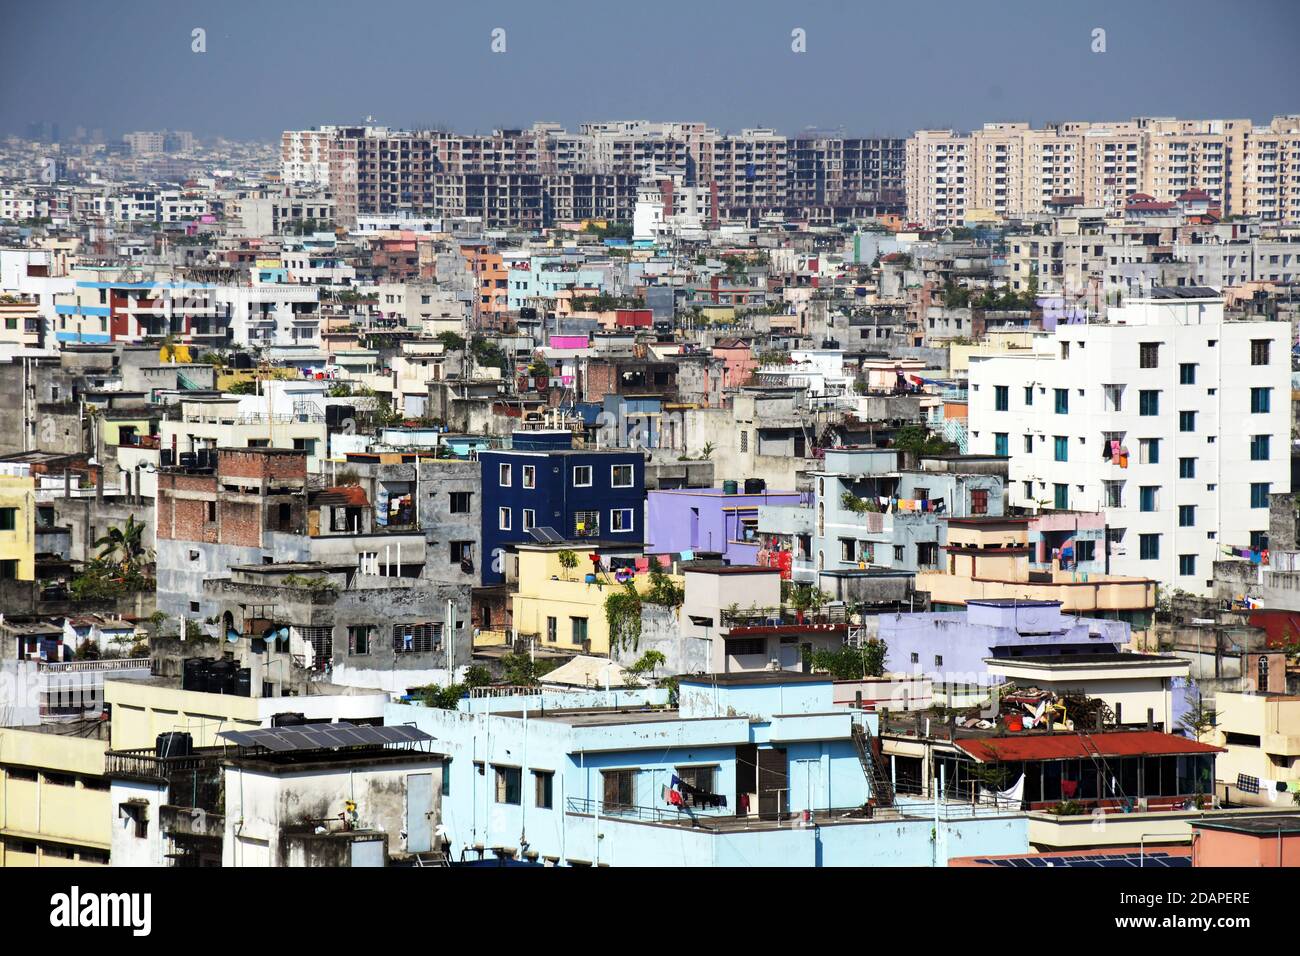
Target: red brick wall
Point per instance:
(258, 463)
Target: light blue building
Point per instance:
(583, 778)
(904, 540)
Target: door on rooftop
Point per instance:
(773, 783)
(800, 446)
(746, 779)
(419, 812)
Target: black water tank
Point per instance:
(288, 719)
(221, 677)
(165, 458)
(174, 745)
(755, 486)
(244, 682)
(194, 674)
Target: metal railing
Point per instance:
(113, 664)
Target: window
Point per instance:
(747, 647)
(8, 519)
(582, 476)
(1001, 398)
(1258, 540)
(1029, 395)
(417, 638)
(1000, 444)
(586, 524)
(212, 511)
(359, 637)
(1149, 451)
(1029, 444)
(1187, 373)
(503, 519)
(1186, 467)
(744, 441)
(1259, 351)
(460, 502)
(1149, 498)
(1148, 402)
(1027, 489)
(578, 630)
(1085, 550)
(530, 476)
(1186, 516)
(1062, 401)
(543, 789)
(1149, 547)
(620, 519)
(1062, 447)
(619, 789)
(1114, 493)
(1149, 355)
(1187, 421)
(1259, 447)
(529, 519)
(703, 779)
(979, 501)
(1065, 350)
(552, 630)
(1259, 494)
(1113, 396)
(620, 476)
(503, 476)
(1061, 497)
(1187, 564)
(898, 554)
(1260, 400)
(462, 553)
(509, 784)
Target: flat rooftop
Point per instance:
(755, 678)
(1257, 826)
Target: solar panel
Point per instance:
(322, 736)
(545, 534)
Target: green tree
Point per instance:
(123, 546)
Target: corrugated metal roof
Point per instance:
(1126, 743)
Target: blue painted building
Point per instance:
(951, 646)
(543, 482)
(582, 779)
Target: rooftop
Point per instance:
(1074, 746)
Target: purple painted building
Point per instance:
(709, 519)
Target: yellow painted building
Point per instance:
(144, 709)
(558, 606)
(18, 525)
(1261, 734)
(54, 800)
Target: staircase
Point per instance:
(1104, 773)
(881, 786)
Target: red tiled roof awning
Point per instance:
(1126, 743)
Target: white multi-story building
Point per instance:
(1172, 421)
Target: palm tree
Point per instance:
(124, 545)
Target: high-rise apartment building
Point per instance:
(593, 173)
(1172, 421)
(1012, 170)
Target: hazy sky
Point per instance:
(870, 67)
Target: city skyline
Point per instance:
(865, 71)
